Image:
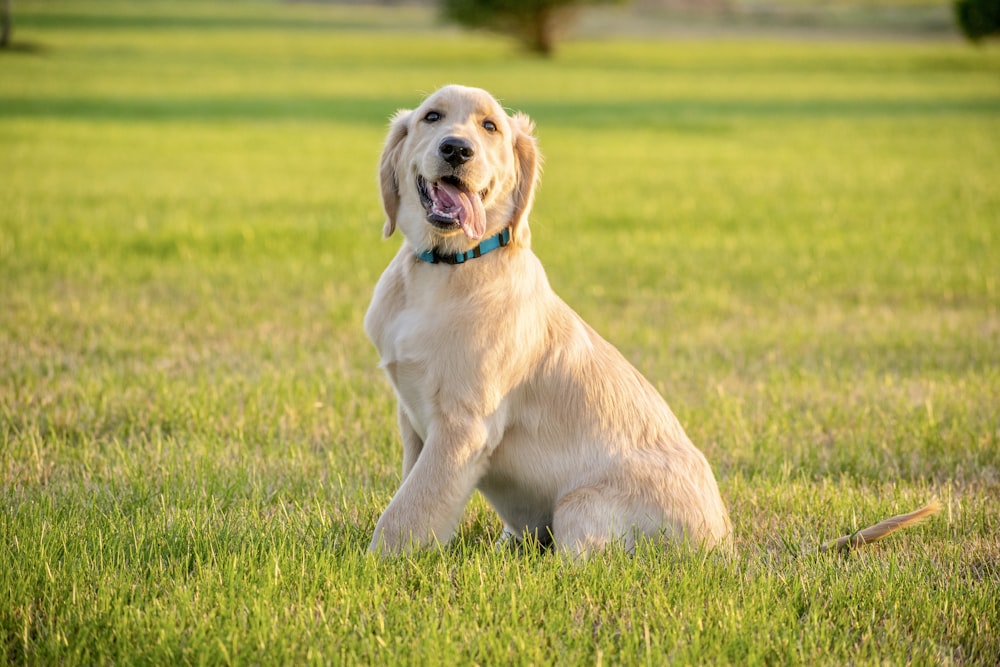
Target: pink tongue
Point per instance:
(470, 213)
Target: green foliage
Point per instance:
(796, 242)
(535, 23)
(978, 18)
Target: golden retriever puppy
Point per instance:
(501, 386)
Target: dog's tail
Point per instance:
(882, 528)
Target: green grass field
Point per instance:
(799, 243)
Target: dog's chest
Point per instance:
(410, 368)
(446, 344)
(425, 352)
(413, 395)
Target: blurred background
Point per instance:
(539, 24)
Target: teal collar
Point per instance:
(492, 243)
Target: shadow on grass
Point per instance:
(22, 48)
(650, 113)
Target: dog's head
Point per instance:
(456, 169)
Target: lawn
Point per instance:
(797, 242)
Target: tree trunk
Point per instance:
(5, 23)
(542, 39)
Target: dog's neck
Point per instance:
(487, 245)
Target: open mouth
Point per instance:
(451, 204)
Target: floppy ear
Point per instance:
(398, 127)
(528, 161)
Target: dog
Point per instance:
(501, 386)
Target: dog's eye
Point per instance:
(489, 126)
(432, 117)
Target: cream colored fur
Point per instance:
(501, 386)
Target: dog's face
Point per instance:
(456, 169)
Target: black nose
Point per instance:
(456, 151)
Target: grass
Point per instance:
(797, 242)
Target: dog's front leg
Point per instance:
(429, 503)
(412, 443)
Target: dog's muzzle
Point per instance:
(451, 204)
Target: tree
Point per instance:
(5, 23)
(978, 18)
(535, 23)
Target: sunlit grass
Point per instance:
(795, 242)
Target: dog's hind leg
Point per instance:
(589, 519)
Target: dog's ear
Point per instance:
(398, 128)
(529, 162)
